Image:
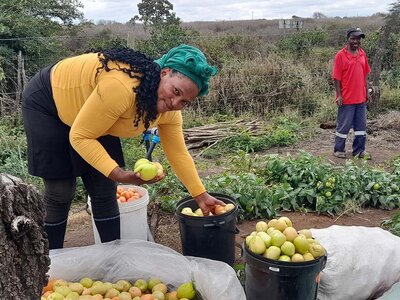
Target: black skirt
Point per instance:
(50, 154)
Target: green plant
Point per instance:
(13, 159)
(32, 28)
(392, 77)
(240, 273)
(162, 38)
(156, 12)
(163, 25)
(249, 191)
(105, 40)
(168, 192)
(392, 224)
(264, 184)
(301, 43)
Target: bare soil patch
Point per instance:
(383, 142)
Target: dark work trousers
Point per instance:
(351, 116)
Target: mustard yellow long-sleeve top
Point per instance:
(105, 104)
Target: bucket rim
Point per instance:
(210, 218)
(135, 187)
(133, 205)
(130, 205)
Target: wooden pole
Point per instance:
(19, 81)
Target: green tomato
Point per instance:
(320, 201)
(328, 194)
(332, 179)
(250, 209)
(328, 184)
(377, 186)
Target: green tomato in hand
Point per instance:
(147, 171)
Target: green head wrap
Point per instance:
(191, 62)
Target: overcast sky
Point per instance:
(217, 10)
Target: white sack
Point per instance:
(134, 259)
(363, 262)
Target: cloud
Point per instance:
(116, 10)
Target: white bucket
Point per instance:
(133, 215)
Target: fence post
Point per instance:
(21, 81)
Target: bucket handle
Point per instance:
(219, 224)
(214, 224)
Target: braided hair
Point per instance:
(142, 68)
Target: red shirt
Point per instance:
(351, 70)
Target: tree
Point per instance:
(33, 27)
(156, 12)
(318, 15)
(29, 18)
(162, 38)
(24, 251)
(25, 22)
(162, 24)
(392, 24)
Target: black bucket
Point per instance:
(280, 280)
(210, 237)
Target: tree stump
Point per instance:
(24, 259)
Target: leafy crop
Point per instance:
(393, 224)
(264, 185)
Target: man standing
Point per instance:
(350, 70)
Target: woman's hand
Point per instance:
(207, 203)
(129, 177)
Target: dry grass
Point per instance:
(258, 75)
(390, 120)
(266, 28)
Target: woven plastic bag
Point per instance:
(363, 262)
(134, 259)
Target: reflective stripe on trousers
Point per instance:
(351, 116)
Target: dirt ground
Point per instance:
(383, 143)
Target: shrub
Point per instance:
(300, 44)
(162, 38)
